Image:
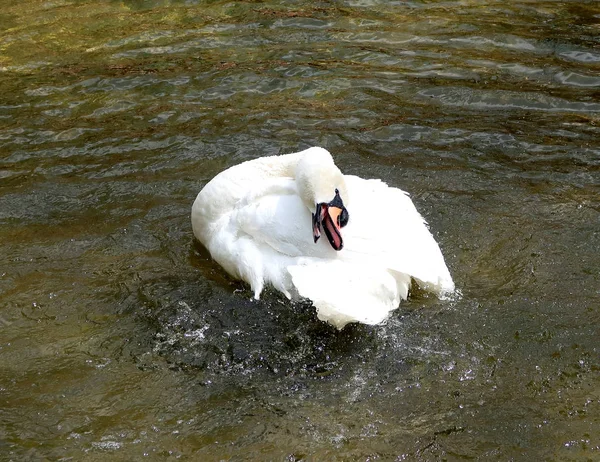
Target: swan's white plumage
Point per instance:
(255, 220)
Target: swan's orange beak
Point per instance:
(329, 217)
(331, 226)
(332, 216)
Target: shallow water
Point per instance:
(120, 338)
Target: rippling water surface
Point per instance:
(120, 338)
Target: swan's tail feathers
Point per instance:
(344, 293)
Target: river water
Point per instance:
(121, 339)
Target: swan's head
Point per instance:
(322, 188)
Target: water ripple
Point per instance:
(497, 99)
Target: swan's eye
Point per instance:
(343, 218)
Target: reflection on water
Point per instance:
(120, 337)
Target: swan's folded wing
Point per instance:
(281, 221)
(385, 227)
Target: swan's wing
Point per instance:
(257, 236)
(386, 227)
(278, 218)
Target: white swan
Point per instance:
(261, 221)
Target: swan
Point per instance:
(263, 221)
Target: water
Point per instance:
(120, 338)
